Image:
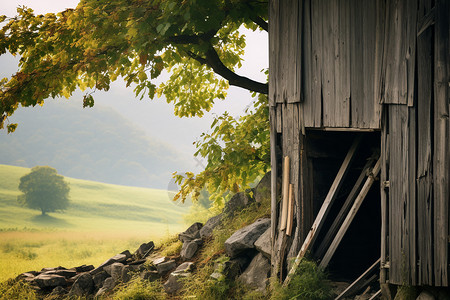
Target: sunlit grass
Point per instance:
(26, 251)
(103, 220)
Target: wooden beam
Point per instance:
(324, 210)
(358, 201)
(356, 285)
(273, 173)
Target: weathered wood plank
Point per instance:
(358, 281)
(285, 193)
(310, 116)
(352, 213)
(401, 195)
(342, 65)
(412, 202)
(397, 196)
(357, 63)
(384, 195)
(273, 174)
(274, 37)
(329, 13)
(441, 166)
(399, 52)
(317, 61)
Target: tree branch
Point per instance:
(213, 61)
(260, 22)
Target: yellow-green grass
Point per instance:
(103, 219)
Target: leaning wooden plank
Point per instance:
(344, 210)
(321, 216)
(358, 201)
(285, 204)
(290, 217)
(376, 295)
(358, 280)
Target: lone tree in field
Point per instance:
(198, 43)
(43, 189)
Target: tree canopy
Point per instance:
(197, 42)
(43, 189)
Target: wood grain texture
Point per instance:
(399, 52)
(424, 152)
(441, 155)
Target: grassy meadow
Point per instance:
(102, 220)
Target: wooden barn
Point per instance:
(359, 111)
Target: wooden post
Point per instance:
(284, 209)
(290, 218)
(273, 173)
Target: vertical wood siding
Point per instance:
(336, 64)
(441, 141)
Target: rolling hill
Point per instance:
(94, 207)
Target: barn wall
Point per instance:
(346, 65)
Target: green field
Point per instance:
(102, 220)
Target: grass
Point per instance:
(103, 220)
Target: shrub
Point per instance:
(308, 283)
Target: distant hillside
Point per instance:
(94, 144)
(95, 206)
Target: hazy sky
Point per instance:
(156, 117)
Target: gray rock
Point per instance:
(257, 273)
(245, 238)
(58, 291)
(144, 249)
(108, 285)
(209, 226)
(188, 250)
(263, 244)
(126, 273)
(115, 270)
(52, 269)
(99, 278)
(121, 257)
(149, 275)
(65, 273)
(27, 276)
(83, 286)
(238, 201)
(160, 260)
(262, 190)
(425, 296)
(49, 280)
(192, 233)
(84, 268)
(173, 283)
(185, 267)
(165, 267)
(234, 267)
